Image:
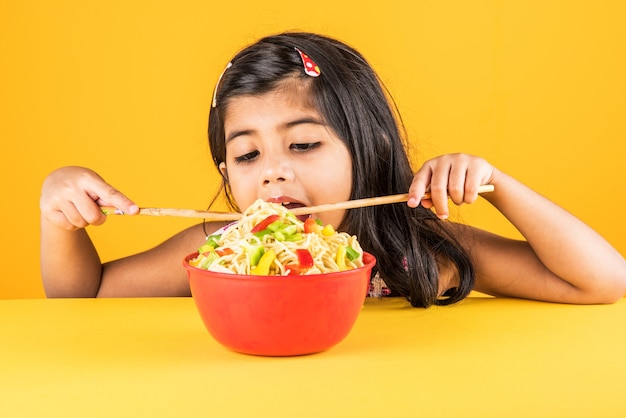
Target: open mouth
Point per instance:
(290, 205)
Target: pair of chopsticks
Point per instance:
(211, 216)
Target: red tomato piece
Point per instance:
(310, 226)
(265, 222)
(305, 259)
(224, 251)
(294, 269)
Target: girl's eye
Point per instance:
(246, 158)
(305, 146)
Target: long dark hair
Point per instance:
(409, 244)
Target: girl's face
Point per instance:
(279, 149)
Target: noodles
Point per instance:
(269, 240)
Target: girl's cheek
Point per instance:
(240, 189)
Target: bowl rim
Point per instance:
(367, 265)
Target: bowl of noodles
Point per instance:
(274, 285)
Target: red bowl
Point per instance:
(279, 315)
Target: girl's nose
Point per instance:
(276, 170)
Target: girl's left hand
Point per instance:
(455, 175)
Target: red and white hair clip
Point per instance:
(310, 67)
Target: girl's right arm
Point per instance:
(70, 265)
(70, 198)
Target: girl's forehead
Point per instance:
(286, 98)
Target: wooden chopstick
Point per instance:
(210, 216)
(370, 201)
(182, 213)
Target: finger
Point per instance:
(73, 215)
(457, 182)
(439, 190)
(107, 195)
(419, 186)
(60, 212)
(477, 174)
(59, 219)
(472, 183)
(90, 210)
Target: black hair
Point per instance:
(409, 243)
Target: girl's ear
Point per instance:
(223, 170)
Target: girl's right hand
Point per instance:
(71, 198)
(456, 175)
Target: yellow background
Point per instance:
(124, 87)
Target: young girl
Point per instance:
(302, 119)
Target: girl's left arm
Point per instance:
(562, 258)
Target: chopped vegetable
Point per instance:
(255, 253)
(224, 251)
(305, 259)
(312, 226)
(213, 241)
(341, 258)
(293, 269)
(263, 268)
(262, 233)
(207, 260)
(293, 238)
(351, 253)
(305, 262)
(328, 230)
(205, 248)
(264, 223)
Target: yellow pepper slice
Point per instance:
(263, 268)
(341, 258)
(328, 230)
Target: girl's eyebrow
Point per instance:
(304, 121)
(235, 134)
(288, 125)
